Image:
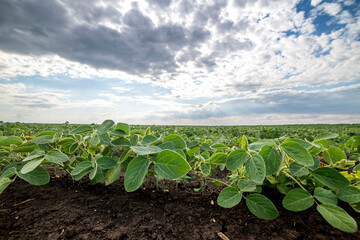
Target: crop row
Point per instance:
(311, 171)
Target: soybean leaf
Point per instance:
(148, 139)
(330, 178)
(244, 142)
(218, 146)
(105, 126)
(81, 129)
(298, 153)
(178, 142)
(305, 144)
(171, 165)
(82, 174)
(118, 133)
(121, 142)
(105, 162)
(325, 196)
(31, 165)
(8, 173)
(134, 140)
(135, 173)
(218, 158)
(99, 177)
(4, 182)
(82, 167)
(93, 172)
(33, 155)
(56, 157)
(26, 147)
(297, 200)
(38, 176)
(349, 194)
(123, 127)
(246, 185)
(112, 174)
(298, 170)
(255, 168)
(11, 140)
(105, 138)
(272, 159)
(325, 136)
(229, 197)
(337, 217)
(146, 150)
(261, 206)
(333, 155)
(316, 163)
(166, 145)
(193, 151)
(256, 146)
(42, 139)
(236, 159)
(205, 168)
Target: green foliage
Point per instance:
(278, 158)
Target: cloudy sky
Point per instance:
(180, 61)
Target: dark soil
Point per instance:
(64, 209)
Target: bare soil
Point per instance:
(64, 209)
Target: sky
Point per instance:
(183, 62)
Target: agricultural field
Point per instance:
(61, 181)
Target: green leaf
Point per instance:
(134, 140)
(99, 177)
(26, 147)
(118, 133)
(178, 142)
(39, 176)
(218, 158)
(33, 155)
(121, 142)
(305, 144)
(298, 170)
(135, 173)
(106, 163)
(298, 153)
(337, 217)
(272, 159)
(219, 146)
(56, 157)
(123, 127)
(325, 136)
(261, 206)
(193, 151)
(42, 139)
(349, 194)
(330, 178)
(104, 127)
(171, 165)
(82, 167)
(205, 168)
(297, 200)
(229, 197)
(8, 172)
(31, 165)
(325, 196)
(105, 138)
(146, 150)
(81, 129)
(82, 174)
(11, 140)
(112, 174)
(236, 159)
(255, 168)
(93, 173)
(244, 142)
(4, 183)
(148, 139)
(256, 146)
(333, 155)
(246, 185)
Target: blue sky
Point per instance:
(236, 62)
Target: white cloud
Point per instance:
(315, 2)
